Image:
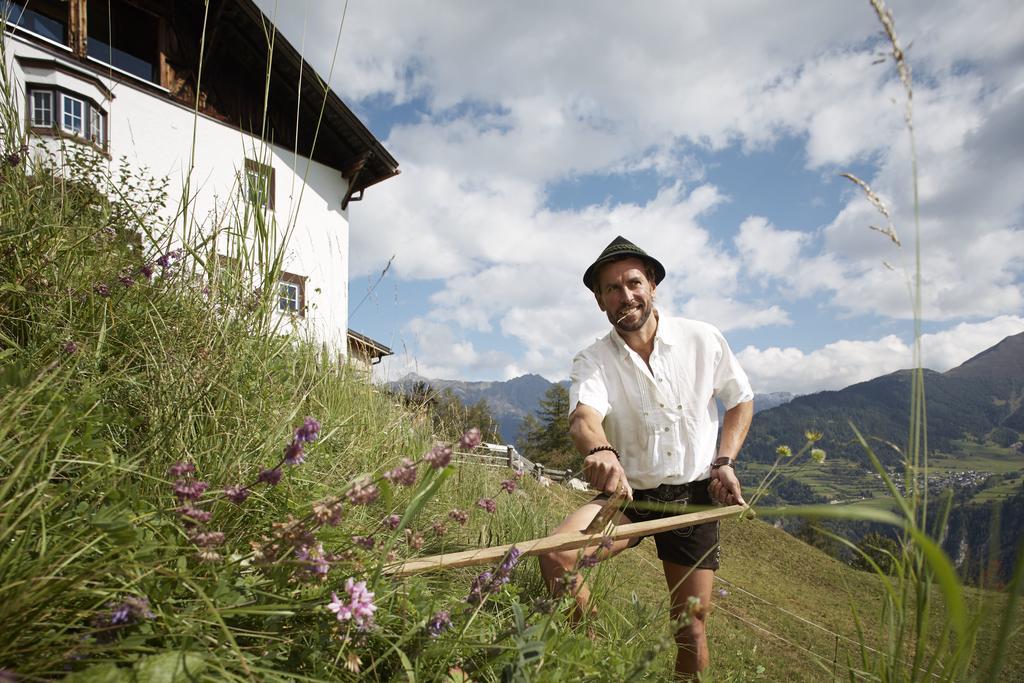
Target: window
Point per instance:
(42, 108)
(259, 183)
(74, 115)
(50, 108)
(291, 294)
(96, 127)
(46, 18)
(125, 37)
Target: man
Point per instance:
(643, 413)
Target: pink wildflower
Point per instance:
(487, 504)
(359, 608)
(363, 492)
(509, 485)
(392, 521)
(471, 438)
(459, 516)
(439, 456)
(404, 474)
(237, 494)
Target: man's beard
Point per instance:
(619, 320)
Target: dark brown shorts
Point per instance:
(692, 546)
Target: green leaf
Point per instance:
(945, 574)
(12, 287)
(170, 667)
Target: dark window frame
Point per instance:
(299, 282)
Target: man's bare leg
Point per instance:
(692, 653)
(554, 565)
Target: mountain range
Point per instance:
(983, 394)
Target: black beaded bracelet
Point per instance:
(598, 449)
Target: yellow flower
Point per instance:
(812, 435)
(817, 455)
(784, 452)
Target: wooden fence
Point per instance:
(506, 455)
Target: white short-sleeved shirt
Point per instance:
(663, 421)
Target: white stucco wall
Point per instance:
(156, 134)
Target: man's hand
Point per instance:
(725, 487)
(604, 472)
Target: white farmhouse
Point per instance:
(181, 88)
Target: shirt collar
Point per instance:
(663, 334)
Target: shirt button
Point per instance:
(669, 453)
(666, 429)
(662, 405)
(679, 407)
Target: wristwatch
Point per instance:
(723, 462)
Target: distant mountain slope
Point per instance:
(512, 400)
(983, 393)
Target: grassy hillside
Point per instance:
(186, 493)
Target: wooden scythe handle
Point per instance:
(565, 541)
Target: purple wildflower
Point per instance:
(565, 584)
(487, 504)
(359, 608)
(440, 529)
(510, 561)
(328, 511)
(459, 516)
(168, 259)
(186, 489)
(414, 539)
(363, 492)
(404, 474)
(208, 539)
(491, 582)
(587, 561)
(126, 280)
(606, 543)
(237, 494)
(471, 438)
(315, 560)
(101, 289)
(181, 468)
(194, 515)
(722, 593)
(439, 456)
(367, 542)
(146, 270)
(70, 348)
(309, 431)
(293, 453)
(480, 587)
(130, 611)
(270, 476)
(439, 623)
(509, 485)
(392, 521)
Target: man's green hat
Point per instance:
(621, 248)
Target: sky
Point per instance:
(713, 135)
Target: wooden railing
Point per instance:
(506, 455)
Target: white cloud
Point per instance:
(508, 98)
(845, 362)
